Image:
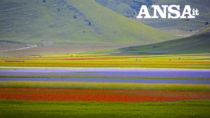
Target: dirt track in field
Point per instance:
(52, 50)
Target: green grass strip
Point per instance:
(106, 86)
(26, 109)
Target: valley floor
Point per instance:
(42, 86)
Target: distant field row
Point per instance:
(143, 61)
(85, 95)
(56, 77)
(106, 86)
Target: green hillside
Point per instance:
(199, 43)
(72, 22)
(204, 31)
(181, 27)
(127, 8)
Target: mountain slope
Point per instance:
(204, 31)
(72, 22)
(182, 27)
(127, 8)
(199, 43)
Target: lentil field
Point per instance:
(105, 86)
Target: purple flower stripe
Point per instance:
(118, 74)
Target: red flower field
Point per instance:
(30, 94)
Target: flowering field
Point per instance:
(44, 99)
(196, 61)
(108, 75)
(85, 95)
(105, 86)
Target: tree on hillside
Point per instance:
(89, 23)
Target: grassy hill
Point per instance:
(72, 22)
(127, 8)
(199, 43)
(182, 27)
(204, 31)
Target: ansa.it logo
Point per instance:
(169, 11)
